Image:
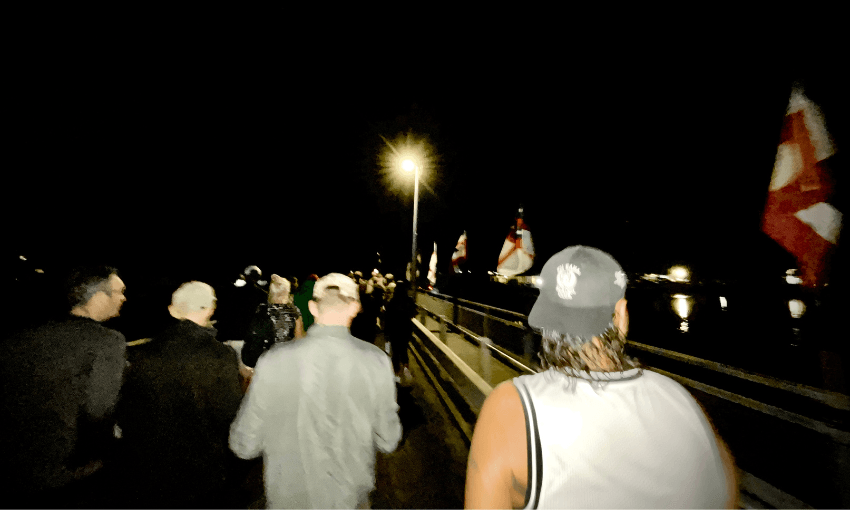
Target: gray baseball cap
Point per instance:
(579, 289)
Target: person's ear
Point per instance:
(621, 316)
(313, 307)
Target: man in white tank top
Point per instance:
(593, 430)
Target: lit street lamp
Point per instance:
(409, 166)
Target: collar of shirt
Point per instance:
(604, 376)
(322, 330)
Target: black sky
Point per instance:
(209, 149)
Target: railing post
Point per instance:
(423, 316)
(487, 325)
(486, 359)
(528, 345)
(443, 337)
(454, 310)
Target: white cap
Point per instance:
(347, 287)
(193, 296)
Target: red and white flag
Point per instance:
(517, 255)
(459, 256)
(798, 214)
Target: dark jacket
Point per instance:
(271, 324)
(59, 384)
(182, 392)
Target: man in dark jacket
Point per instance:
(59, 384)
(182, 392)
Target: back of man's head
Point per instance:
(334, 290)
(578, 310)
(191, 298)
(83, 282)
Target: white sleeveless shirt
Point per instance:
(635, 440)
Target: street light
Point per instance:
(409, 166)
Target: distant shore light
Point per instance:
(797, 308)
(680, 273)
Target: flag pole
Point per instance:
(415, 217)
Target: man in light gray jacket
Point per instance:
(319, 407)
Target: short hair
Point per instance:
(83, 282)
(332, 298)
(192, 297)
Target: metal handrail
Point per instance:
(840, 436)
(493, 347)
(478, 304)
(830, 398)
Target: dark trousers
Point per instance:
(400, 342)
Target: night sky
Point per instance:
(212, 147)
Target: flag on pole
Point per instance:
(432, 267)
(517, 254)
(798, 214)
(459, 256)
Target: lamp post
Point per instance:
(409, 166)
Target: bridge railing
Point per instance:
(505, 335)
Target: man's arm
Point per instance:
(258, 331)
(106, 376)
(246, 430)
(497, 473)
(225, 394)
(388, 425)
(729, 468)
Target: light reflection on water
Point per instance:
(682, 305)
(688, 307)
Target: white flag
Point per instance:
(517, 255)
(432, 267)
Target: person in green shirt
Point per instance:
(302, 297)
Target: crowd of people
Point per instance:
(88, 422)
(177, 421)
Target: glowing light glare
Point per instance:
(400, 156)
(679, 273)
(683, 327)
(797, 308)
(722, 302)
(239, 283)
(682, 306)
(39, 271)
(539, 282)
(793, 280)
(680, 296)
(22, 257)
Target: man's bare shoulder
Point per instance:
(504, 401)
